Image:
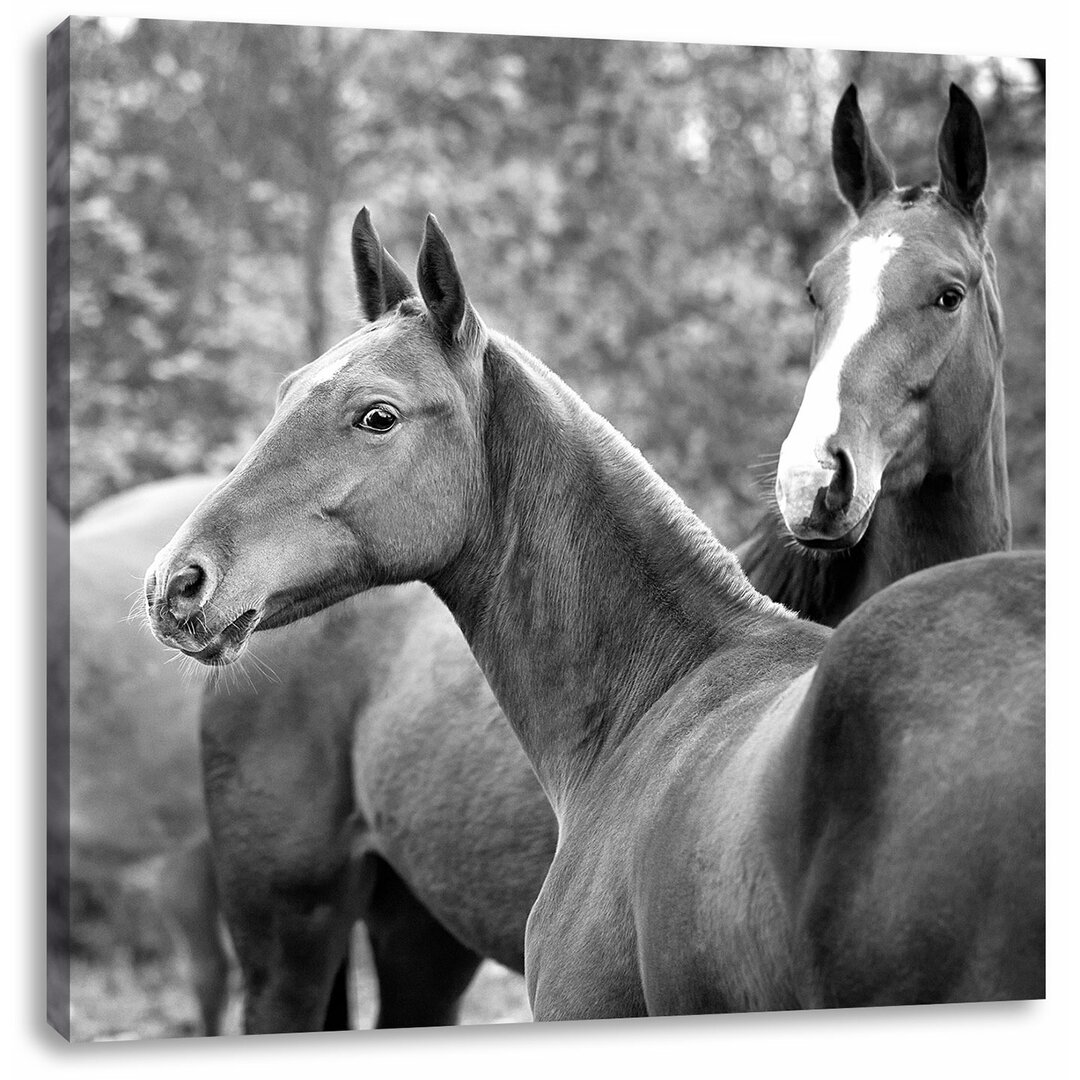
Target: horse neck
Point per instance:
(952, 514)
(591, 588)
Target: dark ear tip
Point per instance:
(958, 96)
(433, 234)
(847, 108)
(362, 222)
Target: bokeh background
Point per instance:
(641, 216)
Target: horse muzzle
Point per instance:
(184, 616)
(821, 506)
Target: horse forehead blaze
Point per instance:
(934, 238)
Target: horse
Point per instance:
(896, 460)
(456, 849)
(125, 756)
(753, 813)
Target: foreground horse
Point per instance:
(457, 835)
(132, 749)
(751, 816)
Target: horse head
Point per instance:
(907, 336)
(365, 475)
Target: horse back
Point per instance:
(909, 814)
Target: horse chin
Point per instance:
(228, 644)
(843, 542)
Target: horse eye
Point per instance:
(950, 299)
(811, 297)
(379, 418)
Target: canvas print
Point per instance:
(539, 529)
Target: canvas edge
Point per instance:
(57, 692)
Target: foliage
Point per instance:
(641, 215)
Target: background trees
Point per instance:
(640, 215)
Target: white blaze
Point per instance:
(336, 357)
(819, 414)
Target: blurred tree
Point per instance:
(58, 236)
(642, 215)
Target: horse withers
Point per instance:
(685, 729)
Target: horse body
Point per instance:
(678, 721)
(824, 872)
(917, 764)
(453, 835)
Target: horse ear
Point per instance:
(380, 283)
(861, 169)
(962, 156)
(440, 282)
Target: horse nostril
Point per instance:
(841, 488)
(185, 592)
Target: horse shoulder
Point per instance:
(589, 926)
(685, 821)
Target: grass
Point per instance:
(114, 996)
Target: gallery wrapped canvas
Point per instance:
(685, 658)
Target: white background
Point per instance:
(1015, 1040)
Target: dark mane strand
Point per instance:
(909, 196)
(812, 584)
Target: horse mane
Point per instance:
(589, 545)
(692, 543)
(915, 193)
(815, 585)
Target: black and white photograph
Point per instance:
(540, 528)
